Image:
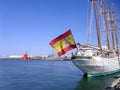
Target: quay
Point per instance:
(115, 85)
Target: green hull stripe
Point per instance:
(100, 74)
(81, 57)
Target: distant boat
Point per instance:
(100, 60)
(53, 57)
(26, 57)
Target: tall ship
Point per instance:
(97, 60)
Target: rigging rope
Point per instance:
(90, 25)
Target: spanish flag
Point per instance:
(63, 43)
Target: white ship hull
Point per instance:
(97, 67)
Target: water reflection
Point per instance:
(96, 83)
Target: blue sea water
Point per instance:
(47, 75)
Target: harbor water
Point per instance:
(47, 75)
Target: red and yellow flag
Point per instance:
(63, 43)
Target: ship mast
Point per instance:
(114, 28)
(97, 23)
(104, 12)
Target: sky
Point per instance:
(28, 26)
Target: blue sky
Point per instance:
(29, 25)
